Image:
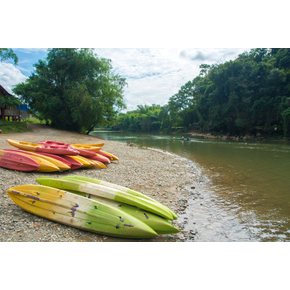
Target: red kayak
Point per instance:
(58, 148)
(74, 164)
(15, 161)
(82, 152)
(108, 155)
(60, 158)
(86, 153)
(100, 157)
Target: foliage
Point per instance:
(6, 101)
(8, 53)
(286, 122)
(143, 119)
(13, 127)
(74, 89)
(248, 95)
(34, 120)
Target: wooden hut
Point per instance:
(9, 106)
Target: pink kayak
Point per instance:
(58, 148)
(100, 157)
(74, 164)
(82, 152)
(15, 161)
(59, 158)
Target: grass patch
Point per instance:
(34, 120)
(13, 127)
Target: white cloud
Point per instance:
(154, 75)
(10, 76)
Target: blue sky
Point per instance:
(153, 74)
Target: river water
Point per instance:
(243, 188)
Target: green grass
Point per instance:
(34, 120)
(13, 127)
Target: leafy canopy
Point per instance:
(244, 96)
(8, 53)
(248, 95)
(74, 89)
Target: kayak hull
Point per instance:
(43, 148)
(15, 161)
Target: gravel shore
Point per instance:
(161, 175)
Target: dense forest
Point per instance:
(246, 96)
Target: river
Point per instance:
(244, 187)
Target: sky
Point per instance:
(153, 75)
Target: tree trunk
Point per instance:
(90, 129)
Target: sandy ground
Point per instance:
(161, 175)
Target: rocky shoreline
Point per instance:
(161, 175)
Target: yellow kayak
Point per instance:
(44, 148)
(97, 164)
(44, 165)
(84, 161)
(89, 147)
(86, 147)
(60, 165)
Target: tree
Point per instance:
(286, 122)
(248, 95)
(74, 89)
(144, 119)
(8, 53)
(244, 96)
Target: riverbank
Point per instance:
(161, 175)
(238, 138)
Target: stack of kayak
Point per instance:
(52, 156)
(96, 206)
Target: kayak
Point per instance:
(58, 157)
(44, 165)
(58, 163)
(74, 164)
(81, 149)
(16, 161)
(117, 188)
(97, 164)
(77, 211)
(92, 147)
(86, 150)
(108, 155)
(107, 192)
(101, 158)
(82, 160)
(44, 148)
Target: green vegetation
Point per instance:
(74, 89)
(8, 53)
(144, 119)
(34, 121)
(13, 127)
(7, 101)
(248, 95)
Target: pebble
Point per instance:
(141, 169)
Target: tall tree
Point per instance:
(74, 89)
(8, 53)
